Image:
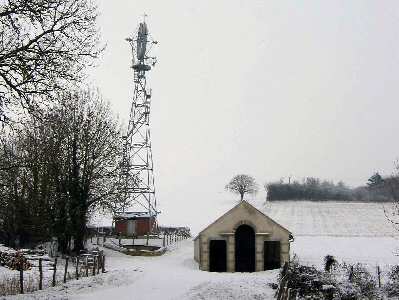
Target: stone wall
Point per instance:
(224, 229)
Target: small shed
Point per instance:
(134, 223)
(244, 239)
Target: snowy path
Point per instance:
(176, 276)
(173, 276)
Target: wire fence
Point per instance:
(44, 273)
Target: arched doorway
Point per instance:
(245, 249)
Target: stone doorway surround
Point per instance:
(259, 241)
(224, 228)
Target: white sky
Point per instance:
(267, 88)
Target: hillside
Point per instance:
(347, 219)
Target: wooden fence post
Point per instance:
(283, 285)
(40, 274)
(288, 294)
(77, 267)
(66, 269)
(21, 278)
(351, 274)
(55, 270)
(103, 264)
(94, 265)
(148, 236)
(379, 276)
(87, 266)
(98, 263)
(163, 242)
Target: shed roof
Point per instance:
(132, 215)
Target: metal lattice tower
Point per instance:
(137, 176)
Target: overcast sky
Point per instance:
(266, 88)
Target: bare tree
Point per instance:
(242, 184)
(44, 45)
(391, 186)
(92, 149)
(55, 171)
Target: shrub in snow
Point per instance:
(348, 291)
(345, 282)
(358, 284)
(392, 286)
(329, 263)
(13, 259)
(308, 281)
(19, 261)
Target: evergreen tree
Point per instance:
(375, 180)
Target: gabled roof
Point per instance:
(247, 205)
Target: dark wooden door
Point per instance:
(245, 249)
(272, 251)
(217, 256)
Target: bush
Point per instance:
(358, 283)
(14, 260)
(329, 263)
(391, 288)
(307, 280)
(347, 282)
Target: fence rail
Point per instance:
(164, 239)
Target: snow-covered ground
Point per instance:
(353, 232)
(367, 250)
(313, 218)
(31, 276)
(174, 275)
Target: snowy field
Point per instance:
(353, 232)
(331, 218)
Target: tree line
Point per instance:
(377, 189)
(312, 188)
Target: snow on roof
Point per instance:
(131, 215)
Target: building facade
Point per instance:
(242, 240)
(134, 223)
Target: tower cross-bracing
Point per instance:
(137, 172)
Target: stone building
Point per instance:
(242, 240)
